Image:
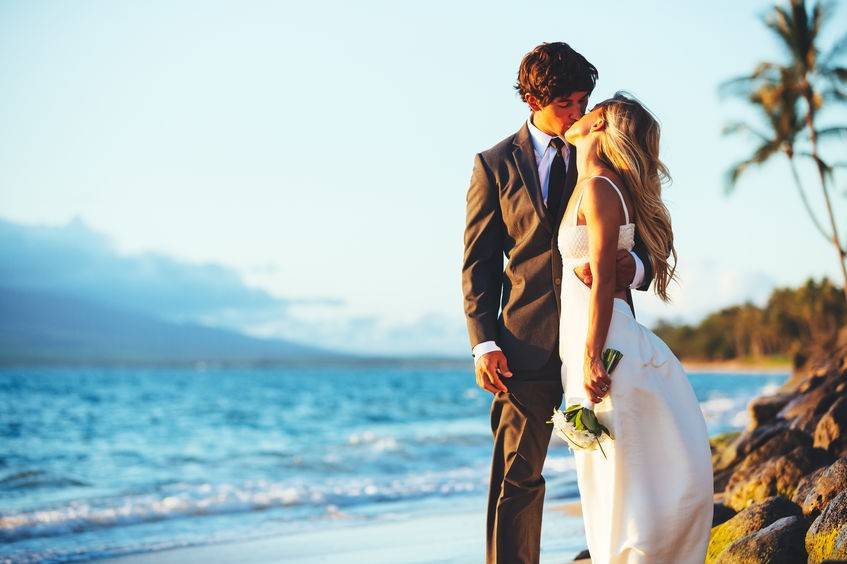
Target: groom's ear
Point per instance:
(532, 101)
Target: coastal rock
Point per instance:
(826, 538)
(831, 431)
(721, 514)
(764, 408)
(804, 377)
(781, 542)
(775, 445)
(829, 482)
(723, 449)
(817, 395)
(786, 473)
(776, 476)
(748, 521)
(777, 441)
(751, 439)
(806, 485)
(777, 434)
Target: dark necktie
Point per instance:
(556, 180)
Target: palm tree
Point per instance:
(778, 107)
(806, 75)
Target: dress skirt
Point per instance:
(651, 500)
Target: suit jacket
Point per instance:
(519, 306)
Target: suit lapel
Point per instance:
(524, 156)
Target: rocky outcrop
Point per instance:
(748, 521)
(781, 542)
(831, 431)
(826, 538)
(786, 474)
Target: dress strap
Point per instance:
(623, 203)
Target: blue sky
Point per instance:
(321, 152)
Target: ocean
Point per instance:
(103, 462)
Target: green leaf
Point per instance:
(601, 449)
(611, 357)
(591, 422)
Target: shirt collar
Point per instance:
(540, 140)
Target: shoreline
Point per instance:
(449, 537)
(736, 367)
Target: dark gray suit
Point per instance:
(518, 308)
(506, 216)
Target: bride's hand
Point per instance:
(596, 380)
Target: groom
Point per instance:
(518, 191)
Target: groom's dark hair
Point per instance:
(554, 70)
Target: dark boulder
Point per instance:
(831, 431)
(825, 484)
(749, 520)
(781, 542)
(826, 538)
(775, 476)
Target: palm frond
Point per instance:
(778, 21)
(837, 131)
(733, 173)
(835, 52)
(836, 74)
(833, 94)
(829, 170)
(740, 127)
(759, 157)
(744, 86)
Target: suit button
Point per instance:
(557, 281)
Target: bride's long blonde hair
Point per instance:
(630, 147)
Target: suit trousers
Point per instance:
(521, 438)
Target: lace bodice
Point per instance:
(573, 239)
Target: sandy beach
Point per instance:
(735, 367)
(454, 537)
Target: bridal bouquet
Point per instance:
(577, 424)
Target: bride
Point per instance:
(651, 500)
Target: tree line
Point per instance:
(790, 324)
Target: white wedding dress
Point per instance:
(651, 500)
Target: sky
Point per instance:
(319, 153)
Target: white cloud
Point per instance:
(704, 287)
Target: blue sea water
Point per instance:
(99, 462)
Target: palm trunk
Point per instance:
(813, 137)
(803, 198)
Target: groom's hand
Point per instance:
(486, 372)
(624, 271)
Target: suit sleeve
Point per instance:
(482, 267)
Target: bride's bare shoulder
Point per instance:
(600, 200)
(612, 185)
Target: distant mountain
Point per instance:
(38, 326)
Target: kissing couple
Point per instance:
(564, 218)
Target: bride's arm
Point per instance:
(601, 208)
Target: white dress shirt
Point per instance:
(544, 155)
